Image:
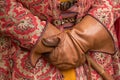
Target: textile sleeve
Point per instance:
(20, 24)
(105, 11)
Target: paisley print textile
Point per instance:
(22, 23)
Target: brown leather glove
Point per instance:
(39, 47)
(88, 35)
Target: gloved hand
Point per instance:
(88, 35)
(39, 47)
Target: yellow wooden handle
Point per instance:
(69, 74)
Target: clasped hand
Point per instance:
(67, 49)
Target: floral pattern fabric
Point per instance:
(22, 22)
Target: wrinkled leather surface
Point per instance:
(39, 47)
(88, 35)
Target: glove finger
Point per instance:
(51, 42)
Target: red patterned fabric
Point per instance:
(22, 22)
(19, 30)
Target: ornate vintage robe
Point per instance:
(22, 23)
